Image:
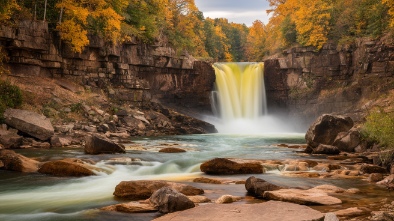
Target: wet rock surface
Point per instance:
(97, 145)
(67, 167)
(17, 162)
(168, 200)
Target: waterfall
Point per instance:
(239, 100)
(240, 91)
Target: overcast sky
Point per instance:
(238, 11)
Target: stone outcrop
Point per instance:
(167, 200)
(66, 168)
(143, 189)
(257, 186)
(16, 162)
(99, 145)
(222, 166)
(269, 211)
(172, 150)
(34, 124)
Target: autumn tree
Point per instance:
(256, 42)
(7, 9)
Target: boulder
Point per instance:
(326, 129)
(34, 124)
(58, 141)
(330, 217)
(268, 211)
(143, 189)
(222, 166)
(306, 197)
(351, 212)
(96, 144)
(257, 186)
(172, 150)
(207, 180)
(10, 139)
(66, 168)
(326, 149)
(167, 200)
(375, 177)
(131, 207)
(348, 141)
(16, 162)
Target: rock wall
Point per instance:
(305, 83)
(134, 72)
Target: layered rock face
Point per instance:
(134, 72)
(306, 83)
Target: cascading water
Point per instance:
(239, 101)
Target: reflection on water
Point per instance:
(41, 197)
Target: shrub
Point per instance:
(379, 127)
(10, 97)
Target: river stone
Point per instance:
(257, 186)
(268, 211)
(351, 212)
(168, 200)
(368, 168)
(227, 199)
(326, 149)
(330, 217)
(307, 197)
(199, 199)
(172, 150)
(34, 124)
(143, 189)
(207, 180)
(222, 166)
(10, 139)
(96, 144)
(326, 128)
(131, 207)
(16, 162)
(66, 168)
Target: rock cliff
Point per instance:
(134, 72)
(349, 79)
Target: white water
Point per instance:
(239, 102)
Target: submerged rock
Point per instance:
(96, 144)
(143, 189)
(66, 167)
(168, 200)
(268, 211)
(222, 166)
(228, 199)
(16, 162)
(34, 124)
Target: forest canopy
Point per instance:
(181, 24)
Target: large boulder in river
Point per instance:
(167, 200)
(143, 189)
(66, 168)
(257, 186)
(222, 166)
(36, 125)
(96, 144)
(348, 141)
(326, 129)
(16, 162)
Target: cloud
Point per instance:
(245, 11)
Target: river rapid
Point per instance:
(42, 197)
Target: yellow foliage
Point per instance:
(7, 8)
(390, 4)
(74, 33)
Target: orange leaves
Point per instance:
(390, 4)
(74, 34)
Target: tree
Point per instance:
(7, 8)
(256, 48)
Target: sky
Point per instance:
(237, 11)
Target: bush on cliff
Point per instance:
(379, 127)
(10, 97)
